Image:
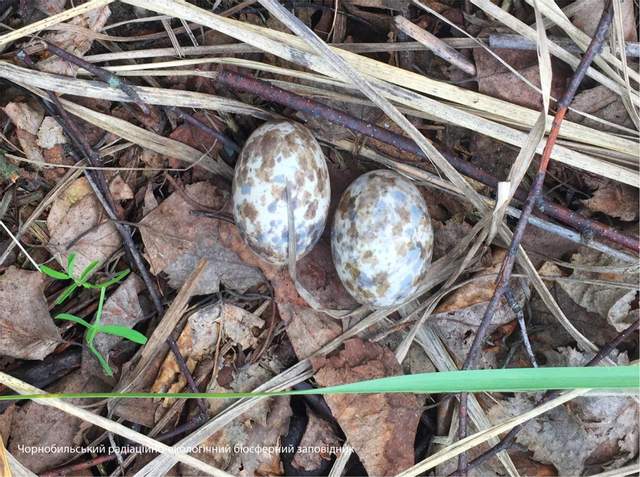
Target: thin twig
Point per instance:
(517, 310)
(241, 82)
(502, 283)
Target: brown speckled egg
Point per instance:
(381, 239)
(275, 154)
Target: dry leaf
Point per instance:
(50, 133)
(120, 190)
(496, 80)
(50, 7)
(596, 298)
(37, 427)
(200, 337)
(238, 325)
(27, 330)
(73, 41)
(24, 117)
(480, 290)
(614, 199)
(27, 121)
(589, 12)
(622, 314)
(121, 308)
(175, 241)
(319, 433)
(381, 428)
(307, 329)
(247, 439)
(600, 432)
(603, 103)
(77, 223)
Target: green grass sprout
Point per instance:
(92, 328)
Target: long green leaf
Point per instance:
(66, 293)
(486, 380)
(54, 273)
(74, 318)
(124, 332)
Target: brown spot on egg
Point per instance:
(312, 208)
(381, 281)
(248, 211)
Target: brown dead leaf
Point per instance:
(457, 318)
(307, 329)
(200, 337)
(380, 427)
(624, 311)
(596, 297)
(248, 437)
(614, 199)
(121, 308)
(496, 80)
(603, 103)
(589, 12)
(175, 241)
(27, 330)
(599, 432)
(77, 223)
(25, 117)
(319, 433)
(50, 133)
(479, 290)
(27, 120)
(50, 7)
(73, 40)
(120, 190)
(37, 427)
(196, 137)
(315, 271)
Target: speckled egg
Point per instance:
(275, 154)
(381, 239)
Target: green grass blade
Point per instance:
(85, 273)
(54, 273)
(71, 260)
(113, 281)
(74, 318)
(66, 293)
(487, 380)
(123, 332)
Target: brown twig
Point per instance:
(502, 283)
(241, 82)
(507, 441)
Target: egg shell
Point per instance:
(382, 239)
(275, 154)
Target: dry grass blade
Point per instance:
(51, 21)
(23, 388)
